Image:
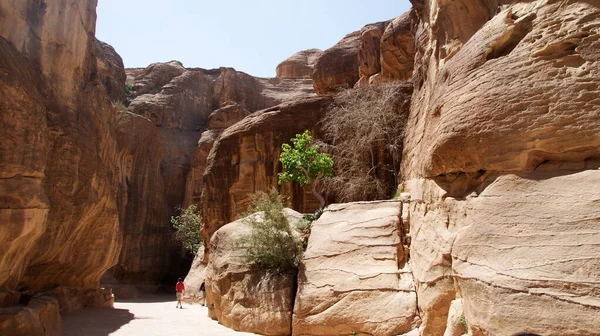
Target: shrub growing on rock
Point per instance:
(364, 129)
(187, 229)
(304, 163)
(271, 246)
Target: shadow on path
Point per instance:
(95, 322)
(147, 298)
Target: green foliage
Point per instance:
(463, 322)
(187, 229)
(303, 163)
(129, 92)
(271, 246)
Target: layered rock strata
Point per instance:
(501, 153)
(354, 278)
(242, 298)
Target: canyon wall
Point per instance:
(59, 181)
(501, 156)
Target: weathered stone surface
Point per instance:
(111, 71)
(155, 76)
(544, 223)
(299, 65)
(353, 277)
(218, 121)
(369, 51)
(67, 162)
(503, 119)
(40, 317)
(338, 66)
(24, 203)
(508, 88)
(194, 279)
(142, 206)
(398, 48)
(245, 159)
(244, 299)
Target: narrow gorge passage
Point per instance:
(150, 315)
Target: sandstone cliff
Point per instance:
(501, 156)
(378, 52)
(57, 155)
(245, 159)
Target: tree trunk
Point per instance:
(318, 196)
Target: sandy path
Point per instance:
(149, 316)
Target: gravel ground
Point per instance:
(148, 316)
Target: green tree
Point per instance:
(187, 229)
(304, 163)
(271, 246)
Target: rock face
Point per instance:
(338, 66)
(111, 71)
(500, 155)
(398, 48)
(58, 150)
(244, 299)
(299, 65)
(142, 205)
(181, 102)
(245, 159)
(218, 121)
(354, 277)
(379, 52)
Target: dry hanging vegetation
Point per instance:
(364, 129)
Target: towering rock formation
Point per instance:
(60, 228)
(378, 52)
(501, 153)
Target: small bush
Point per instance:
(271, 246)
(187, 229)
(129, 93)
(463, 322)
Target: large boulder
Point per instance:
(40, 317)
(354, 277)
(243, 298)
(299, 65)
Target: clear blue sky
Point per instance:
(250, 35)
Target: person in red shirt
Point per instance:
(180, 289)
